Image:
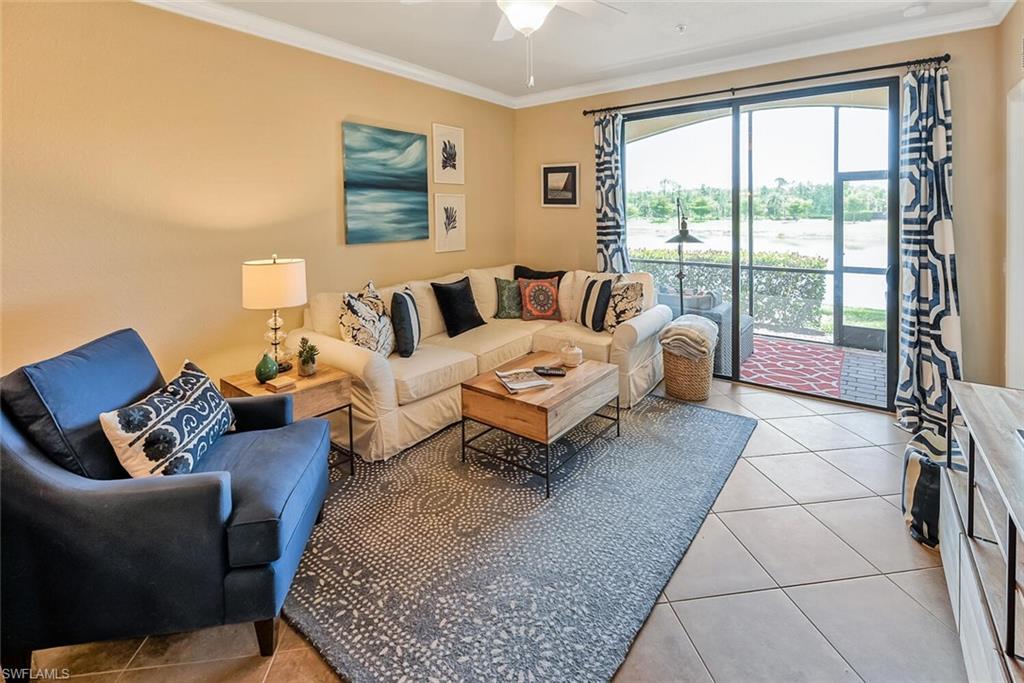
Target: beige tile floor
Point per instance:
(803, 571)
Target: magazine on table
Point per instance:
(522, 379)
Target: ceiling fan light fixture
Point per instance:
(526, 16)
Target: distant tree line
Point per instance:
(782, 201)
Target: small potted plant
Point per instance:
(307, 357)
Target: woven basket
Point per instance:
(686, 379)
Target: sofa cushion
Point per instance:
(431, 321)
(595, 345)
(510, 300)
(627, 302)
(594, 303)
(484, 290)
(364, 321)
(172, 429)
(431, 369)
(525, 273)
(406, 321)
(495, 343)
(275, 475)
(455, 299)
(540, 299)
(57, 402)
(324, 309)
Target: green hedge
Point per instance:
(782, 300)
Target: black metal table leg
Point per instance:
(618, 427)
(463, 439)
(1011, 586)
(351, 445)
(547, 471)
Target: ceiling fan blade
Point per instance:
(592, 9)
(504, 30)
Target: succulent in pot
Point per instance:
(307, 357)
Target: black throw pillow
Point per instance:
(457, 306)
(522, 272)
(405, 318)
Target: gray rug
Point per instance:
(425, 568)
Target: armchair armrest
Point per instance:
(262, 412)
(92, 559)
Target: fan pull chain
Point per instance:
(529, 59)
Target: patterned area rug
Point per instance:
(425, 568)
(790, 364)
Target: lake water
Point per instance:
(865, 245)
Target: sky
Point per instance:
(791, 143)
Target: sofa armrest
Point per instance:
(374, 395)
(369, 368)
(647, 324)
(262, 412)
(92, 559)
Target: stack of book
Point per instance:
(280, 383)
(521, 380)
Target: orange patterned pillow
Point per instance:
(540, 299)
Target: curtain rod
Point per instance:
(732, 91)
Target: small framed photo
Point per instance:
(449, 155)
(449, 222)
(560, 185)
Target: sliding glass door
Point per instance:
(790, 211)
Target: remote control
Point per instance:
(549, 371)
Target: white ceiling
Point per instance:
(448, 43)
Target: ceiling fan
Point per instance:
(526, 16)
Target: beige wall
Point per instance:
(146, 155)
(558, 132)
(1011, 35)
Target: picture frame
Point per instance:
(449, 222)
(560, 185)
(449, 155)
(386, 188)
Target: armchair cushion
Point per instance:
(262, 412)
(57, 402)
(169, 431)
(275, 473)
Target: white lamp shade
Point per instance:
(273, 283)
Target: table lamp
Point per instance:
(683, 237)
(273, 284)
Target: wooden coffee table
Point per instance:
(542, 416)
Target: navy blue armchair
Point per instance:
(89, 553)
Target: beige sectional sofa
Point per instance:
(398, 402)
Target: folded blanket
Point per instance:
(690, 336)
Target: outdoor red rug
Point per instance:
(790, 364)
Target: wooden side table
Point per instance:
(330, 389)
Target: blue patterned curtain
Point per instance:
(930, 343)
(611, 204)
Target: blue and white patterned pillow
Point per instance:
(406, 320)
(364, 321)
(170, 430)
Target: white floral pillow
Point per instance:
(364, 321)
(627, 302)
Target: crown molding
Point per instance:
(280, 32)
(212, 12)
(968, 20)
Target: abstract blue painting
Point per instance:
(385, 185)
